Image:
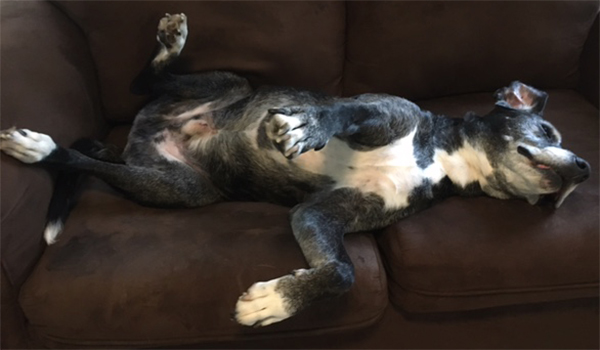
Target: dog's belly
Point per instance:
(390, 172)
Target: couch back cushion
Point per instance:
(412, 49)
(436, 48)
(291, 43)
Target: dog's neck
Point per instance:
(458, 156)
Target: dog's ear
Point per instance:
(521, 97)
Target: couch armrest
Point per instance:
(48, 85)
(589, 76)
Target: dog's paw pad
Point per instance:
(261, 305)
(172, 31)
(26, 145)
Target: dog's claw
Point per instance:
(296, 130)
(7, 134)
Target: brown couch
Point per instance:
(468, 273)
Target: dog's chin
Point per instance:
(557, 187)
(551, 188)
(559, 197)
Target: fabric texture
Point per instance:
(590, 70)
(467, 273)
(48, 86)
(426, 49)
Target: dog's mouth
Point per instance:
(552, 181)
(558, 181)
(560, 185)
(559, 197)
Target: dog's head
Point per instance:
(525, 150)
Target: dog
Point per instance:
(344, 164)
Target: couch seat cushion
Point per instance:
(126, 275)
(471, 253)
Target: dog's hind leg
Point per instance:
(171, 36)
(319, 227)
(168, 184)
(157, 80)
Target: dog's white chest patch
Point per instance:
(465, 165)
(391, 172)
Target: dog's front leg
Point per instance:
(319, 227)
(366, 120)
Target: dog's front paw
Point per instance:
(262, 305)
(26, 145)
(172, 32)
(296, 130)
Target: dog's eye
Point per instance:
(548, 132)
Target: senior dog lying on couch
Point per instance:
(348, 164)
(468, 273)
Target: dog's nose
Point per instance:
(582, 169)
(582, 164)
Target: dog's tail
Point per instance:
(67, 187)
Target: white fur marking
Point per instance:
(202, 109)
(390, 172)
(465, 165)
(553, 153)
(53, 229)
(261, 303)
(31, 148)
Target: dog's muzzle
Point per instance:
(572, 174)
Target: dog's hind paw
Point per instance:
(296, 130)
(261, 305)
(26, 145)
(172, 34)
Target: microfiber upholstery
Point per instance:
(126, 275)
(473, 253)
(426, 49)
(32, 100)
